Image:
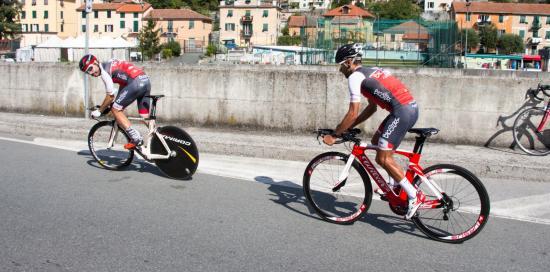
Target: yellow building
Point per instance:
(249, 22)
(529, 21)
(41, 19)
(114, 19)
(189, 28)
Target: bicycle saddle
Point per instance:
(155, 96)
(426, 132)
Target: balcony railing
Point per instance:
(246, 18)
(246, 33)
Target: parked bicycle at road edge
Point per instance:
(530, 132)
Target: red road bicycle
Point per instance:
(529, 131)
(339, 189)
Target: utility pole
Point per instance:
(88, 9)
(465, 30)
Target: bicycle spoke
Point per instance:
(343, 205)
(457, 220)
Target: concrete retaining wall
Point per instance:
(469, 106)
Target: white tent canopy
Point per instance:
(52, 42)
(72, 49)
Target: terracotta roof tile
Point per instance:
(134, 7)
(502, 8)
(352, 11)
(416, 36)
(302, 20)
(176, 14)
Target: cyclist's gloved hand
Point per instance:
(95, 114)
(329, 139)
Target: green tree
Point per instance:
(9, 13)
(174, 47)
(165, 4)
(166, 53)
(339, 3)
(395, 9)
(201, 6)
(211, 50)
(488, 35)
(473, 39)
(149, 39)
(510, 43)
(286, 39)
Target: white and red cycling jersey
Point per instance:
(378, 86)
(120, 72)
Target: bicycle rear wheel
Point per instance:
(340, 203)
(109, 154)
(184, 158)
(464, 210)
(526, 136)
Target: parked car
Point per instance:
(230, 45)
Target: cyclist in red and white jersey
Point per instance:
(384, 90)
(133, 84)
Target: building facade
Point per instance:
(530, 21)
(306, 5)
(249, 22)
(113, 19)
(41, 19)
(189, 28)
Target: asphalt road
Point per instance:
(60, 212)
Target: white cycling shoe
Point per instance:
(414, 204)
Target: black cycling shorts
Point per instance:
(393, 129)
(136, 89)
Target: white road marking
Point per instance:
(290, 173)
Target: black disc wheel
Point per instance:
(526, 135)
(184, 154)
(340, 202)
(463, 211)
(106, 143)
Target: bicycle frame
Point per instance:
(414, 169)
(545, 118)
(146, 149)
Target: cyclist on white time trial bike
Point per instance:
(133, 84)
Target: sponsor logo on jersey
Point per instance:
(380, 74)
(122, 76)
(384, 96)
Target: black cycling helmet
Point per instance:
(352, 50)
(86, 61)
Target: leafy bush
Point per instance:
(211, 50)
(166, 53)
(174, 46)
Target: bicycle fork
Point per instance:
(344, 174)
(112, 137)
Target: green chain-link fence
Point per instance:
(386, 42)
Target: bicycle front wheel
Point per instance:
(526, 135)
(464, 209)
(106, 143)
(337, 202)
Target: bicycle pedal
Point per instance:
(384, 198)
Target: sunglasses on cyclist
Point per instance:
(90, 69)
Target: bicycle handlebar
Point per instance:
(348, 136)
(541, 88)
